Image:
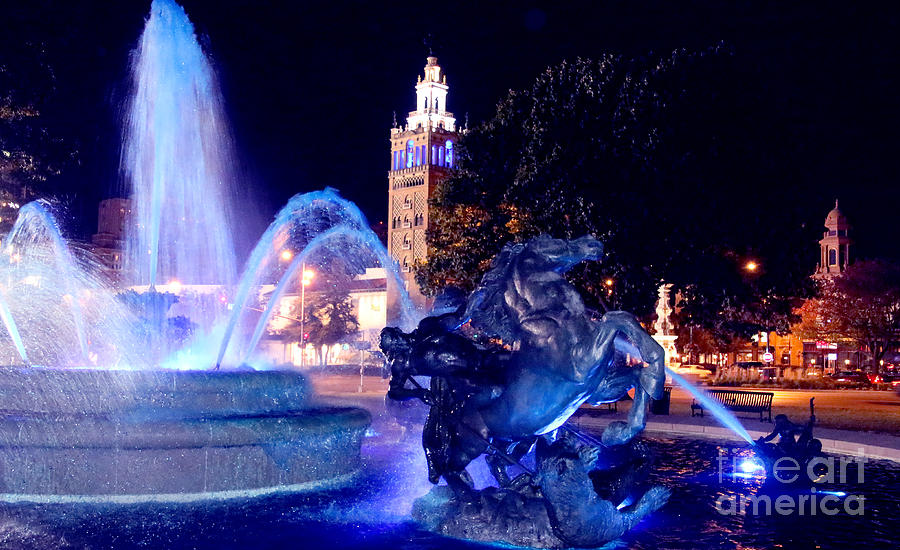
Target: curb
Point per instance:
(831, 445)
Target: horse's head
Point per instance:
(586, 248)
(560, 255)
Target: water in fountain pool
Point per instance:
(369, 513)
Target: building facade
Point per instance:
(422, 154)
(108, 242)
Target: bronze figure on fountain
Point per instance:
(543, 357)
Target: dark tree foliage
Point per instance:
(645, 155)
(861, 306)
(33, 152)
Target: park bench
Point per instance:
(740, 401)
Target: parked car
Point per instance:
(891, 379)
(768, 373)
(850, 378)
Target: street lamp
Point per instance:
(286, 255)
(307, 276)
(174, 286)
(609, 284)
(751, 266)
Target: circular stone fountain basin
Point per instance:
(131, 436)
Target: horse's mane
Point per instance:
(486, 306)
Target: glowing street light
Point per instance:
(308, 276)
(286, 255)
(608, 282)
(174, 286)
(751, 266)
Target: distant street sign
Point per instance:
(768, 357)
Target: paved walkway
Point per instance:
(855, 410)
(876, 419)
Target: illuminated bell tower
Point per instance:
(834, 253)
(422, 155)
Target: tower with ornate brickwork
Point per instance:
(422, 155)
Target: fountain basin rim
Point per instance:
(336, 482)
(58, 431)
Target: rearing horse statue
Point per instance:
(555, 357)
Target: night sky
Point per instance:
(311, 86)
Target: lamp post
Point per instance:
(306, 279)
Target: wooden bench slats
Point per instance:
(740, 401)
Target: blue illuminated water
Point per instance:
(56, 303)
(319, 221)
(336, 240)
(13, 330)
(723, 415)
(353, 518)
(36, 222)
(177, 159)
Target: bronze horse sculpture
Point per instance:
(549, 357)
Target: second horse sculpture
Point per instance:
(546, 356)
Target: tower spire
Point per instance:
(423, 154)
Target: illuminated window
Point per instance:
(441, 155)
(449, 146)
(832, 257)
(410, 154)
(433, 159)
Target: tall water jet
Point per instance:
(177, 159)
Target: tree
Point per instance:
(862, 305)
(328, 319)
(643, 154)
(32, 150)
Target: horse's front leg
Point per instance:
(650, 379)
(618, 432)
